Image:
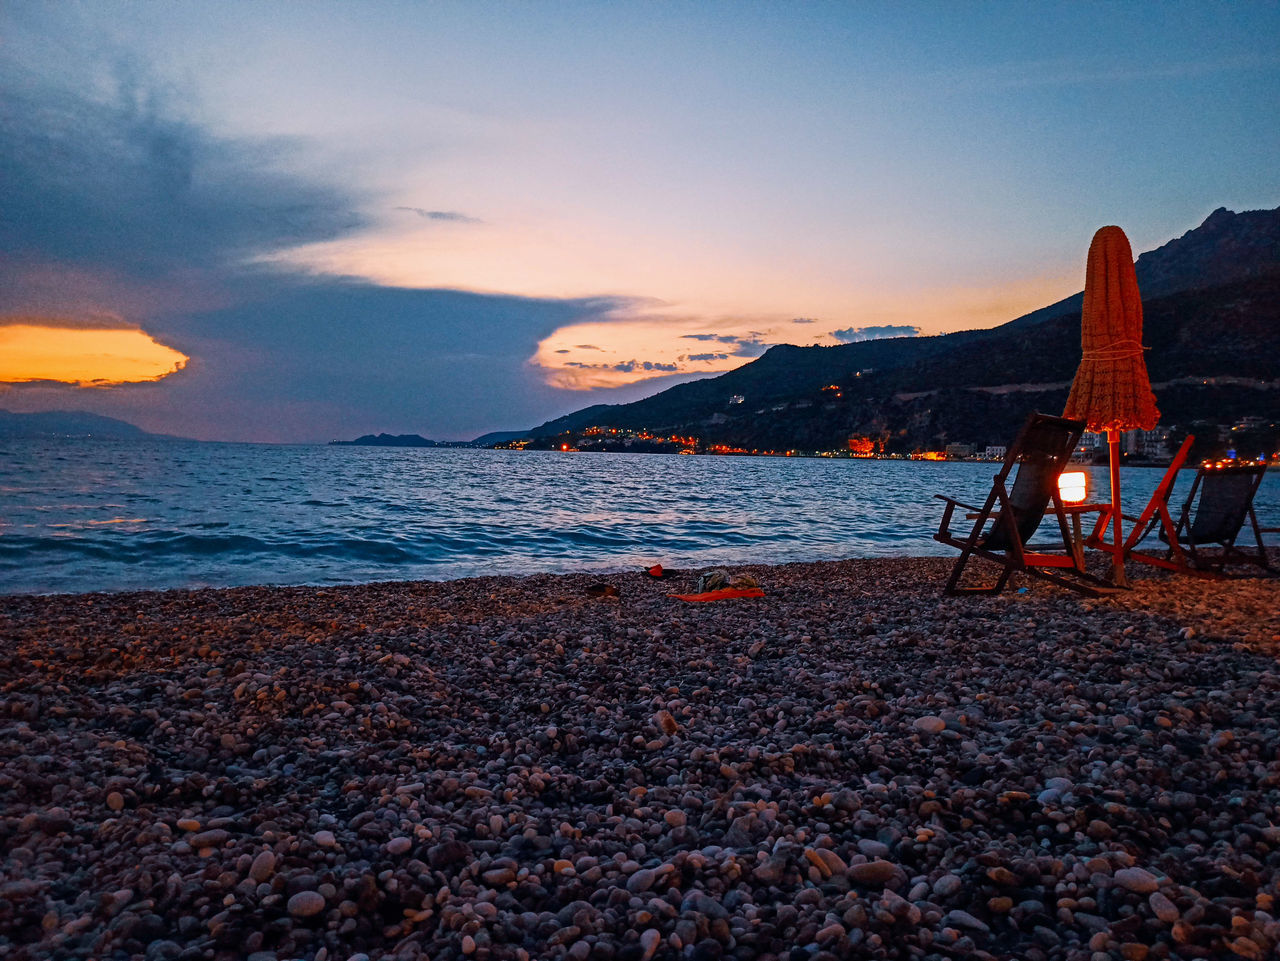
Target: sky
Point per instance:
(293, 222)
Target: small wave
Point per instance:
(231, 547)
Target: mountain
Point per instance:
(498, 437)
(1212, 325)
(1226, 247)
(386, 440)
(417, 440)
(70, 423)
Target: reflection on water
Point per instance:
(99, 515)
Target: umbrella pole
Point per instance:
(1117, 559)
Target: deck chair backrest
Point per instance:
(1040, 453)
(1225, 496)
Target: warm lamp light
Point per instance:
(1073, 487)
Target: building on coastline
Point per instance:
(959, 451)
(1152, 444)
(995, 452)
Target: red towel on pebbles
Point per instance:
(723, 594)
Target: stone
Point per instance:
(263, 866)
(947, 885)
(1163, 908)
(305, 904)
(873, 872)
(930, 724)
(209, 839)
(963, 919)
(1138, 880)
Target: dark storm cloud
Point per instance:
(852, 335)
(447, 215)
(120, 198)
(119, 184)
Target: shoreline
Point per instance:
(510, 767)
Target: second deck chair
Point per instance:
(1220, 501)
(1155, 514)
(1003, 526)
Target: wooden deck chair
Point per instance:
(1155, 514)
(1004, 525)
(1220, 501)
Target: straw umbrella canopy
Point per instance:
(1111, 391)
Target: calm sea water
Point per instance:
(98, 515)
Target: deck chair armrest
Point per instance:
(956, 503)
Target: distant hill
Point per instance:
(386, 440)
(416, 440)
(1212, 323)
(70, 423)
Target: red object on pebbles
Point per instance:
(723, 594)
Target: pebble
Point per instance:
(263, 866)
(930, 724)
(963, 919)
(399, 845)
(873, 872)
(1163, 908)
(304, 904)
(1138, 880)
(947, 885)
(649, 941)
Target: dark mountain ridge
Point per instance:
(70, 423)
(1212, 326)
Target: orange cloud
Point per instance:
(34, 349)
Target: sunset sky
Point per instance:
(300, 221)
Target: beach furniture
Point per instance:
(1213, 516)
(1156, 513)
(1004, 525)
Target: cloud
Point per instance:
(719, 338)
(750, 346)
(120, 184)
(447, 215)
(587, 347)
(628, 366)
(702, 357)
(804, 320)
(117, 213)
(851, 335)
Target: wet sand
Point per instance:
(849, 767)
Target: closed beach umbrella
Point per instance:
(1111, 391)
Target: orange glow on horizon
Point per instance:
(32, 351)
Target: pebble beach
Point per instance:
(852, 766)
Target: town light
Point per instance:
(1073, 486)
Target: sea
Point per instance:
(80, 515)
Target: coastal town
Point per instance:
(1250, 438)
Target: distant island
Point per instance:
(394, 440)
(417, 440)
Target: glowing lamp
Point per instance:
(1073, 487)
